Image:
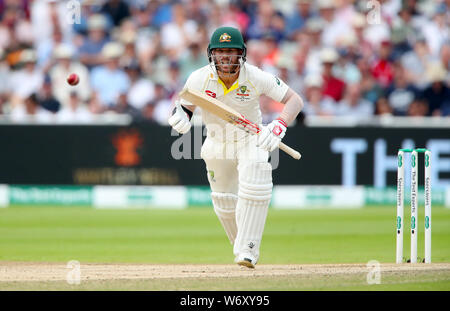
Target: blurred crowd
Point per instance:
(133, 56)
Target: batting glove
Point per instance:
(271, 135)
(179, 121)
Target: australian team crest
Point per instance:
(225, 37)
(243, 93)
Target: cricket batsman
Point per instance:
(238, 170)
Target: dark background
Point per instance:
(52, 154)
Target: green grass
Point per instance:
(195, 236)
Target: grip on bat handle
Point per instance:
(293, 153)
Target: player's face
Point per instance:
(227, 60)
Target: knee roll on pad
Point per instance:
(255, 182)
(224, 203)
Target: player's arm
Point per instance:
(271, 135)
(293, 104)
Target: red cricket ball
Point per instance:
(73, 79)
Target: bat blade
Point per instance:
(228, 114)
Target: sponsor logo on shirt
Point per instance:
(210, 93)
(243, 93)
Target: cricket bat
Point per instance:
(228, 114)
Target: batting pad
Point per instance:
(225, 208)
(255, 192)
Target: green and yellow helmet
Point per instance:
(227, 37)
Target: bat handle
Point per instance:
(293, 153)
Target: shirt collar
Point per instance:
(242, 74)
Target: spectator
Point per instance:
(234, 17)
(143, 14)
(332, 86)
(94, 105)
(382, 107)
(74, 111)
(148, 113)
(334, 28)
(364, 47)
(285, 65)
(90, 50)
(437, 31)
(191, 60)
(418, 108)
(123, 107)
(317, 104)
(25, 81)
(88, 8)
(262, 23)
(445, 56)
(7, 22)
(128, 39)
(163, 14)
(278, 27)
(46, 98)
(163, 41)
(162, 104)
(109, 80)
(400, 92)
(370, 88)
(297, 21)
(20, 26)
(198, 11)
(377, 27)
(141, 90)
(312, 46)
(66, 65)
(45, 50)
(177, 34)
(117, 10)
(403, 31)
(345, 68)
(415, 62)
(4, 76)
(47, 17)
(345, 11)
(353, 104)
(437, 94)
(272, 52)
(174, 82)
(382, 68)
(292, 70)
(32, 111)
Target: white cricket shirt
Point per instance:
(243, 96)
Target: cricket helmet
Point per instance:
(227, 37)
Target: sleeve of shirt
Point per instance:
(269, 85)
(195, 81)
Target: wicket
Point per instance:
(414, 203)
